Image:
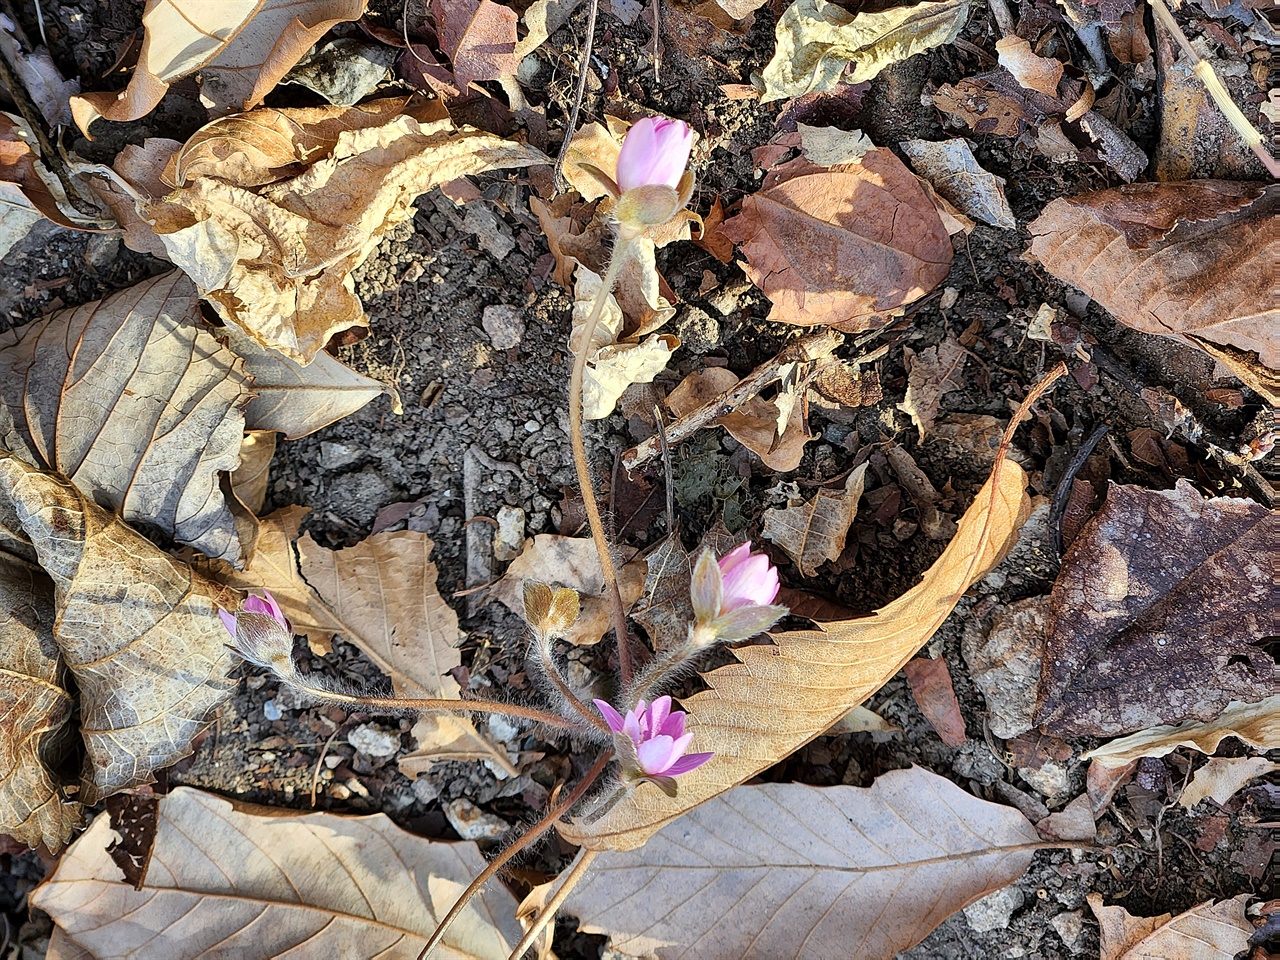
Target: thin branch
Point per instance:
(553, 905)
(579, 95)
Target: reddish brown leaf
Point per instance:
(480, 38)
(930, 682)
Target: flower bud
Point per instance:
(550, 612)
(262, 634)
(733, 599)
(653, 184)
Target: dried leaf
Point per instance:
(36, 707)
(138, 630)
(932, 374)
(1208, 931)
(816, 42)
(1035, 73)
(831, 146)
(1175, 259)
(914, 846)
(133, 401)
(930, 683)
(541, 20)
(479, 37)
(1223, 777)
(250, 480)
(1257, 724)
(27, 191)
(954, 172)
(142, 168)
(330, 886)
(779, 696)
(845, 245)
(814, 532)
(1162, 590)
(986, 108)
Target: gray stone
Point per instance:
(335, 456)
(425, 791)
(374, 741)
(1005, 665)
(698, 330)
(504, 324)
(993, 911)
(1069, 926)
(508, 538)
(472, 823)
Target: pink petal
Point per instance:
(674, 725)
(611, 716)
(735, 556)
(658, 715)
(750, 581)
(692, 762)
(681, 745)
(228, 621)
(631, 726)
(655, 151)
(275, 610)
(257, 605)
(656, 755)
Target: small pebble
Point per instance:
(472, 823)
(504, 324)
(425, 791)
(374, 741)
(508, 539)
(271, 711)
(1069, 926)
(993, 911)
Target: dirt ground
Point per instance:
(425, 291)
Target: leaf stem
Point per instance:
(618, 613)
(553, 905)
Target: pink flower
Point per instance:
(657, 735)
(261, 633)
(749, 579)
(655, 152)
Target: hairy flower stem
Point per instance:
(532, 834)
(553, 905)
(619, 614)
(657, 671)
(548, 665)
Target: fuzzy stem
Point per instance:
(619, 614)
(657, 670)
(533, 833)
(548, 665)
(553, 905)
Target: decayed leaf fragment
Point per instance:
(479, 37)
(1160, 590)
(846, 245)
(1257, 724)
(138, 630)
(1033, 72)
(341, 886)
(931, 374)
(863, 873)
(1223, 777)
(814, 532)
(241, 47)
(1208, 931)
(1176, 259)
(954, 172)
(817, 40)
(132, 400)
(779, 696)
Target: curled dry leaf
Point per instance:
(1223, 777)
(27, 191)
(1161, 590)
(954, 172)
(864, 873)
(820, 44)
(341, 886)
(1033, 72)
(139, 630)
(847, 245)
(779, 696)
(814, 532)
(1257, 724)
(250, 481)
(241, 49)
(133, 401)
(1208, 931)
(931, 374)
(1176, 259)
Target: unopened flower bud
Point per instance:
(651, 177)
(262, 634)
(733, 599)
(550, 612)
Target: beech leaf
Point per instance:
(1223, 777)
(846, 245)
(790, 870)
(243, 880)
(1208, 931)
(779, 696)
(135, 403)
(814, 532)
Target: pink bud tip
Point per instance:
(749, 579)
(655, 151)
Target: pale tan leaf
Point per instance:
(241, 47)
(1033, 72)
(954, 172)
(847, 245)
(814, 532)
(830, 146)
(1257, 724)
(541, 20)
(237, 880)
(931, 374)
(779, 696)
(1208, 931)
(36, 708)
(133, 401)
(864, 720)
(1173, 259)
(249, 482)
(139, 630)
(1223, 777)
(789, 870)
(817, 40)
(142, 168)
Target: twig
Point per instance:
(665, 448)
(578, 96)
(809, 347)
(553, 905)
(1064, 485)
(324, 751)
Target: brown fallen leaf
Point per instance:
(814, 532)
(932, 374)
(139, 630)
(914, 846)
(1033, 72)
(1074, 823)
(847, 245)
(1257, 724)
(542, 19)
(930, 683)
(1208, 931)
(1174, 259)
(985, 108)
(479, 37)
(343, 886)
(712, 238)
(954, 172)
(241, 49)
(1161, 590)
(132, 400)
(1223, 777)
(29, 192)
(250, 480)
(140, 170)
(383, 593)
(36, 710)
(779, 696)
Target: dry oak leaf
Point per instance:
(138, 630)
(847, 245)
(1208, 931)
(931, 374)
(27, 191)
(1257, 724)
(383, 593)
(954, 172)
(36, 710)
(238, 880)
(1223, 777)
(241, 47)
(1176, 259)
(1162, 590)
(862, 874)
(816, 42)
(132, 401)
(140, 170)
(814, 532)
(779, 696)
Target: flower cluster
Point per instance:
(651, 743)
(733, 598)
